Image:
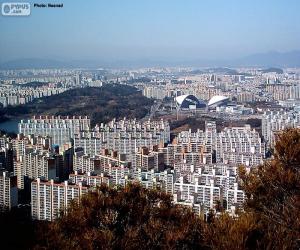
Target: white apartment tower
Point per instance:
(60, 129)
(49, 199)
(8, 191)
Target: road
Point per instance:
(153, 110)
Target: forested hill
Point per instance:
(101, 104)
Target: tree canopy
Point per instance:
(125, 218)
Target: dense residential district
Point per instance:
(202, 126)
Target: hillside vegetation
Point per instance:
(101, 104)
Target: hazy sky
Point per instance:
(151, 29)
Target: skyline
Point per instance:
(139, 31)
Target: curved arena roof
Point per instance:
(180, 99)
(186, 101)
(217, 99)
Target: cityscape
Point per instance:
(156, 152)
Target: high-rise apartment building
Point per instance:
(206, 186)
(60, 129)
(8, 191)
(49, 199)
(124, 136)
(89, 179)
(147, 160)
(274, 121)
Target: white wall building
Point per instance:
(8, 191)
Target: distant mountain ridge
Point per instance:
(272, 70)
(37, 63)
(28, 63)
(271, 59)
(268, 59)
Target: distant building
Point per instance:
(78, 79)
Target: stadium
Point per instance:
(189, 102)
(217, 101)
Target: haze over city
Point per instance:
(167, 32)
